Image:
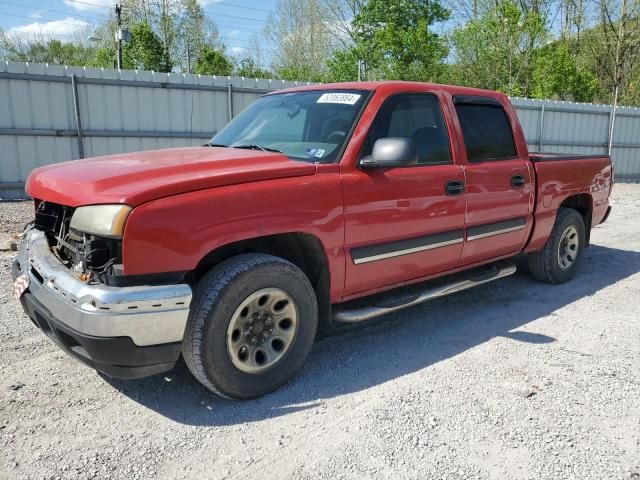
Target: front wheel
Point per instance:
(252, 324)
(560, 258)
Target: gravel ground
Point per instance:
(515, 379)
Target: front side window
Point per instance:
(486, 131)
(310, 125)
(415, 116)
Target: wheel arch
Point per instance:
(304, 250)
(583, 204)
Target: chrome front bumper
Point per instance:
(148, 315)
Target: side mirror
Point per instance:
(391, 152)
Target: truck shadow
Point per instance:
(366, 355)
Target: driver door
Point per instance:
(404, 223)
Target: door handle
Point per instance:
(517, 181)
(454, 187)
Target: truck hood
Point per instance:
(136, 178)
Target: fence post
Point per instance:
(612, 121)
(76, 107)
(541, 132)
(230, 101)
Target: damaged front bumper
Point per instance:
(124, 332)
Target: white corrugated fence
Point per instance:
(51, 113)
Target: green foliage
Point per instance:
(506, 45)
(395, 40)
(5, 44)
(195, 31)
(343, 66)
(248, 68)
(145, 50)
(496, 50)
(300, 39)
(213, 62)
(305, 73)
(104, 57)
(51, 51)
(556, 76)
(631, 94)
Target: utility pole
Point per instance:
(119, 35)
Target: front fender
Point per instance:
(174, 233)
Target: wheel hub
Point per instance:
(568, 247)
(259, 328)
(262, 330)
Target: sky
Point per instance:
(237, 20)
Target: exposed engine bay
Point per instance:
(93, 258)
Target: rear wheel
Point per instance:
(560, 258)
(252, 324)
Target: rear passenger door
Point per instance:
(402, 223)
(498, 180)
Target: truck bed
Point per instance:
(559, 176)
(554, 157)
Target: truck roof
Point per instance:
(398, 85)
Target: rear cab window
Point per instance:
(486, 129)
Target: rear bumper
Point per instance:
(127, 332)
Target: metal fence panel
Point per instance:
(123, 111)
(583, 128)
(118, 111)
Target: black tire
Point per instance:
(217, 296)
(545, 265)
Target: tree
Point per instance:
(395, 39)
(195, 32)
(144, 51)
(299, 38)
(343, 66)
(37, 49)
(556, 75)
(213, 62)
(181, 26)
(340, 15)
(496, 51)
(4, 44)
(616, 48)
(103, 57)
(248, 68)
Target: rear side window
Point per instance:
(416, 116)
(486, 131)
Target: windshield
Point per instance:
(310, 125)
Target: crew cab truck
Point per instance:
(321, 204)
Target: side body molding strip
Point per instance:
(404, 247)
(397, 248)
(498, 228)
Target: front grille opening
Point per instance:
(37, 275)
(51, 216)
(66, 339)
(42, 323)
(96, 256)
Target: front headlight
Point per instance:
(101, 220)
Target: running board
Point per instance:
(390, 303)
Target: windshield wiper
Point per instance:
(214, 145)
(254, 146)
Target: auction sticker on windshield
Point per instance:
(343, 98)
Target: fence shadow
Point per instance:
(370, 354)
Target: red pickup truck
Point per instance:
(321, 204)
